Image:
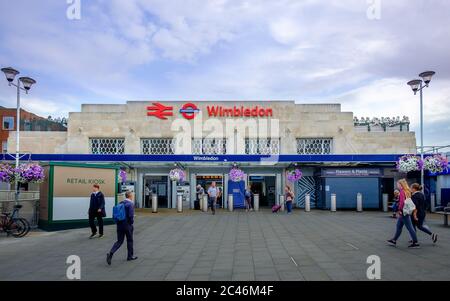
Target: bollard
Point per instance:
(230, 203)
(433, 202)
(154, 203)
(359, 202)
(205, 203)
(307, 202)
(256, 202)
(333, 202)
(282, 202)
(385, 202)
(179, 203)
(200, 203)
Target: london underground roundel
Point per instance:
(188, 110)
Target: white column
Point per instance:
(307, 202)
(359, 202)
(385, 202)
(256, 202)
(230, 203)
(333, 202)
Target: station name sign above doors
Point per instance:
(189, 111)
(352, 172)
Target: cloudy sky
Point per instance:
(311, 51)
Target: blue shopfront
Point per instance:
(323, 175)
(346, 183)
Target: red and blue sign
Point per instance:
(189, 110)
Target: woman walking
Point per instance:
(404, 218)
(248, 198)
(419, 214)
(289, 197)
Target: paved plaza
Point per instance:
(318, 245)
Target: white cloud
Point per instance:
(311, 51)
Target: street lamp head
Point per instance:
(27, 82)
(10, 73)
(426, 76)
(415, 85)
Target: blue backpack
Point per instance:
(119, 214)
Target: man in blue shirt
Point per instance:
(125, 229)
(212, 195)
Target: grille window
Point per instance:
(254, 146)
(157, 146)
(209, 146)
(314, 146)
(107, 146)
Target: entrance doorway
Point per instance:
(206, 180)
(156, 185)
(265, 186)
(388, 187)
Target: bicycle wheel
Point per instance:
(18, 227)
(28, 227)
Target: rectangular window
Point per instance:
(4, 147)
(107, 146)
(314, 146)
(157, 146)
(209, 146)
(8, 123)
(262, 146)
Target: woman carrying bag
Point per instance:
(406, 209)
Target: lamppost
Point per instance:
(27, 82)
(418, 85)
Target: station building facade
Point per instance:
(336, 152)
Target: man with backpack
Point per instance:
(123, 215)
(96, 211)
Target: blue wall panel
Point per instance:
(346, 190)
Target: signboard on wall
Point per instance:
(72, 187)
(352, 172)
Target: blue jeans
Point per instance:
(289, 206)
(405, 221)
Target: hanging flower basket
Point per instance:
(122, 176)
(436, 163)
(31, 173)
(7, 173)
(236, 174)
(408, 163)
(294, 175)
(177, 175)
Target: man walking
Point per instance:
(96, 210)
(212, 195)
(124, 229)
(147, 196)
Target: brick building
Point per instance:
(28, 122)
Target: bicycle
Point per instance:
(14, 225)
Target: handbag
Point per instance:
(408, 207)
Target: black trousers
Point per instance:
(122, 232)
(147, 201)
(92, 217)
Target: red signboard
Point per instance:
(189, 111)
(160, 111)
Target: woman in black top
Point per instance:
(419, 214)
